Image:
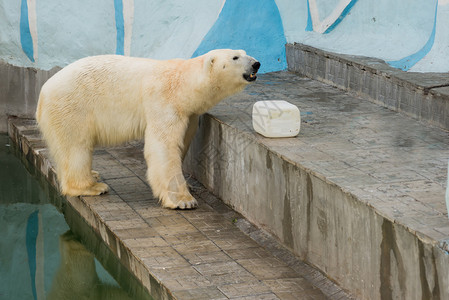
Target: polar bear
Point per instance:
(77, 278)
(111, 99)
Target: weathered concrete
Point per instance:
(19, 91)
(414, 94)
(359, 193)
(208, 253)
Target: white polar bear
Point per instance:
(111, 99)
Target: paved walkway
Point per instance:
(204, 253)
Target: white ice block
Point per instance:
(276, 118)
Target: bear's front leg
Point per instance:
(190, 133)
(163, 151)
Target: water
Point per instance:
(41, 257)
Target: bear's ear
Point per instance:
(209, 62)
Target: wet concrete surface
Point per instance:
(355, 171)
(359, 194)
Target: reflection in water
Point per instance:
(76, 277)
(32, 264)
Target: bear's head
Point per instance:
(231, 68)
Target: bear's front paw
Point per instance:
(188, 204)
(179, 201)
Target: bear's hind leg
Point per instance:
(77, 177)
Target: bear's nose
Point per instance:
(256, 65)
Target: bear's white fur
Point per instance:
(111, 99)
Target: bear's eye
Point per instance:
(235, 58)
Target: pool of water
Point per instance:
(41, 256)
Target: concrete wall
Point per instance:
(19, 91)
(363, 251)
(423, 96)
(39, 36)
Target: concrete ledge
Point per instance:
(418, 95)
(359, 193)
(208, 253)
(90, 239)
(26, 136)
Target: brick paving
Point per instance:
(193, 254)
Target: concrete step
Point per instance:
(211, 252)
(359, 193)
(423, 96)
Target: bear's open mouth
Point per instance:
(250, 77)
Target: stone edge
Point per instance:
(437, 248)
(32, 150)
(422, 96)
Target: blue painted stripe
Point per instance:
(341, 17)
(120, 26)
(263, 37)
(31, 237)
(25, 34)
(309, 26)
(407, 62)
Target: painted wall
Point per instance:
(410, 34)
(52, 33)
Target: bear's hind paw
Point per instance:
(96, 189)
(100, 188)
